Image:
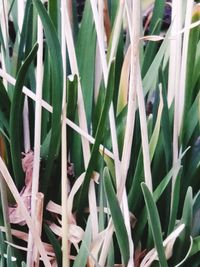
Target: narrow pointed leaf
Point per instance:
(16, 116)
(98, 139)
(154, 222)
(117, 217)
(57, 78)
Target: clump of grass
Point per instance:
(107, 119)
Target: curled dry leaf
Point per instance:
(56, 209)
(168, 244)
(75, 232)
(14, 212)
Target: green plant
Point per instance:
(99, 134)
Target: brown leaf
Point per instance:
(139, 255)
(14, 212)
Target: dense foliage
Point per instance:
(99, 133)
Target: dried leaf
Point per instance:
(168, 244)
(14, 212)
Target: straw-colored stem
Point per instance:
(188, 17)
(37, 137)
(82, 119)
(64, 189)
(174, 75)
(20, 17)
(38, 223)
(135, 88)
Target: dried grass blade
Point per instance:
(37, 136)
(24, 212)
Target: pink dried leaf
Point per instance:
(27, 165)
(15, 215)
(55, 208)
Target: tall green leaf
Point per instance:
(189, 91)
(15, 118)
(81, 258)
(183, 241)
(57, 86)
(154, 222)
(85, 52)
(98, 138)
(117, 217)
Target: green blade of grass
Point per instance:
(81, 258)
(4, 100)
(9, 261)
(98, 137)
(55, 243)
(2, 249)
(156, 195)
(183, 242)
(154, 222)
(165, 122)
(174, 204)
(117, 217)
(191, 120)
(85, 52)
(54, 12)
(155, 135)
(72, 97)
(196, 246)
(150, 78)
(189, 91)
(15, 117)
(57, 78)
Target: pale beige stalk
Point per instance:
(30, 222)
(20, 17)
(82, 121)
(135, 88)
(38, 224)
(174, 74)
(188, 18)
(37, 137)
(64, 180)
